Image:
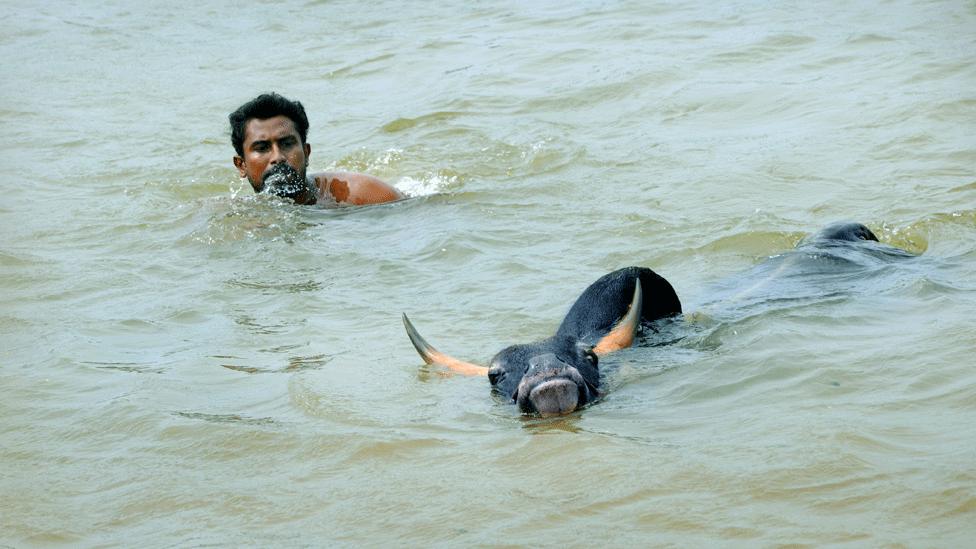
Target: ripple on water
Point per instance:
(145, 287)
(252, 217)
(276, 287)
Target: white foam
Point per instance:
(428, 185)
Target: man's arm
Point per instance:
(355, 188)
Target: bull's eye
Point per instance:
(494, 376)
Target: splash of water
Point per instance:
(284, 181)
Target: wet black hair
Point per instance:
(266, 105)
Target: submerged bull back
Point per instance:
(840, 260)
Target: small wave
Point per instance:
(391, 162)
(434, 118)
(426, 185)
(252, 217)
(917, 236)
(363, 160)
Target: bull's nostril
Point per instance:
(555, 397)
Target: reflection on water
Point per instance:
(227, 418)
(264, 327)
(274, 287)
(299, 363)
(127, 367)
(548, 426)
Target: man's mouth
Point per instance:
(284, 181)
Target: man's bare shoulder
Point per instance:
(355, 188)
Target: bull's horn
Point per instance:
(433, 356)
(622, 335)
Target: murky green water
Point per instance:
(184, 363)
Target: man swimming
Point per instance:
(268, 133)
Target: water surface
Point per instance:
(184, 363)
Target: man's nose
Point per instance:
(277, 155)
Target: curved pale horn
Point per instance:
(622, 335)
(433, 356)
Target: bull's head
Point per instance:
(557, 375)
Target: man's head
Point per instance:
(269, 134)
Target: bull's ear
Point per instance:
(433, 356)
(623, 333)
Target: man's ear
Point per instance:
(241, 167)
(308, 151)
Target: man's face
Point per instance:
(267, 143)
